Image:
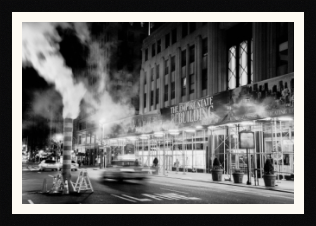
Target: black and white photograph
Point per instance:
(158, 112)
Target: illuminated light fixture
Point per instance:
(159, 134)
(144, 136)
(190, 130)
(247, 123)
(285, 119)
(267, 119)
(173, 131)
(199, 127)
(132, 138)
(230, 124)
(211, 127)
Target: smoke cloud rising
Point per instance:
(95, 94)
(40, 48)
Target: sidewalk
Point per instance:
(282, 185)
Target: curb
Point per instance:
(262, 188)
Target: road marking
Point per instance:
(164, 196)
(123, 198)
(141, 200)
(152, 196)
(174, 190)
(30, 201)
(182, 196)
(50, 175)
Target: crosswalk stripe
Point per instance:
(123, 198)
(141, 200)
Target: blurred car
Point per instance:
(74, 166)
(125, 169)
(50, 164)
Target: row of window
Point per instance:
(171, 38)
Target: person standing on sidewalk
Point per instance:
(155, 162)
(177, 165)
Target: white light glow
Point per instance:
(285, 119)
(247, 123)
(190, 130)
(173, 133)
(199, 127)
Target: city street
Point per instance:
(156, 190)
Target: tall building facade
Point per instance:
(186, 61)
(204, 83)
(202, 87)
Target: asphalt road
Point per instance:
(155, 190)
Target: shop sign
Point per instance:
(269, 98)
(192, 111)
(246, 140)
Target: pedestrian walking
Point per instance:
(155, 162)
(79, 163)
(177, 165)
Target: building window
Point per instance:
(192, 54)
(166, 67)
(232, 77)
(153, 50)
(152, 98)
(204, 47)
(174, 36)
(167, 41)
(240, 65)
(184, 29)
(183, 86)
(192, 27)
(145, 100)
(243, 63)
(173, 90)
(240, 55)
(152, 74)
(159, 46)
(146, 54)
(173, 63)
(183, 58)
(157, 96)
(191, 83)
(204, 79)
(166, 93)
(157, 71)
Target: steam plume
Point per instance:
(40, 48)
